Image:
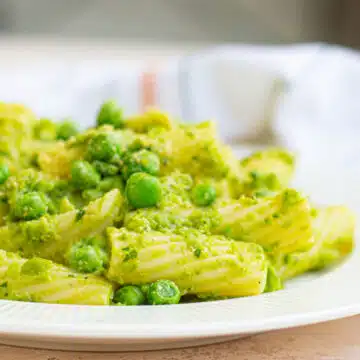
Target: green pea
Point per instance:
(83, 175)
(4, 173)
(129, 295)
(103, 147)
(110, 114)
(111, 182)
(143, 190)
(141, 161)
(45, 130)
(66, 129)
(105, 168)
(87, 258)
(163, 292)
(29, 206)
(203, 194)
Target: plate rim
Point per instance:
(337, 301)
(75, 334)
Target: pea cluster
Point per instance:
(108, 165)
(28, 195)
(161, 292)
(47, 130)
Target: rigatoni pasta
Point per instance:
(40, 280)
(197, 263)
(333, 238)
(146, 210)
(50, 237)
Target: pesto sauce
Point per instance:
(252, 204)
(38, 232)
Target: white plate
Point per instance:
(311, 299)
(317, 298)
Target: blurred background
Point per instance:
(65, 57)
(274, 21)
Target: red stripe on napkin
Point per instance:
(148, 86)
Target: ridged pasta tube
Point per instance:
(280, 223)
(16, 123)
(151, 118)
(41, 280)
(199, 264)
(196, 150)
(271, 169)
(333, 230)
(50, 236)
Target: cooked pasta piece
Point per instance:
(333, 231)
(152, 118)
(41, 280)
(197, 263)
(268, 170)
(50, 236)
(195, 149)
(16, 123)
(280, 223)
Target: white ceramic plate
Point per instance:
(311, 299)
(319, 298)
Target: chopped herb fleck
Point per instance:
(130, 254)
(267, 221)
(197, 252)
(80, 214)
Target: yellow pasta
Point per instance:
(147, 210)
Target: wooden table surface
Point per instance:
(336, 340)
